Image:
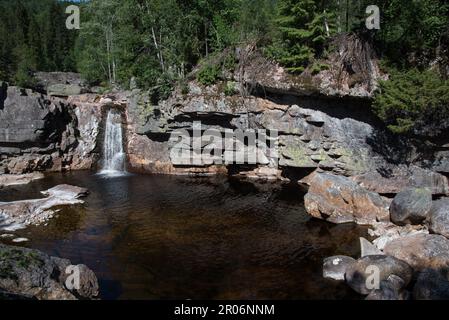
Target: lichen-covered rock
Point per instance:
(411, 206)
(335, 267)
(357, 274)
(338, 199)
(439, 217)
(32, 274)
(421, 251)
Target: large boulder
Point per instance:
(421, 251)
(17, 214)
(431, 285)
(335, 267)
(338, 199)
(357, 274)
(411, 206)
(439, 217)
(33, 274)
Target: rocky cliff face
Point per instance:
(43, 133)
(323, 122)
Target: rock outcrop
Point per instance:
(31, 274)
(17, 214)
(42, 133)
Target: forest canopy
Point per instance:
(158, 42)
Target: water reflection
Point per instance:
(159, 237)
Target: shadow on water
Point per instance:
(162, 237)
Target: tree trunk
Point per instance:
(159, 52)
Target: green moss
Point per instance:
(25, 260)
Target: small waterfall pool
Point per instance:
(162, 237)
(113, 154)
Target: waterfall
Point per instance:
(113, 153)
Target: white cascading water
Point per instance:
(113, 153)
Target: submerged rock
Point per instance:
(357, 274)
(16, 214)
(439, 217)
(411, 206)
(17, 179)
(335, 267)
(421, 251)
(33, 274)
(338, 199)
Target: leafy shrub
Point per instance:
(209, 74)
(413, 102)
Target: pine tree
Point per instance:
(304, 27)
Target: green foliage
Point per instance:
(318, 67)
(209, 74)
(412, 31)
(413, 101)
(304, 26)
(33, 37)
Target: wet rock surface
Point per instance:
(18, 179)
(17, 214)
(31, 274)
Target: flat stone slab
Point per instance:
(19, 214)
(7, 180)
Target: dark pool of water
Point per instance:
(160, 237)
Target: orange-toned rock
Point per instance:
(338, 199)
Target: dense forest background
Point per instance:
(158, 42)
